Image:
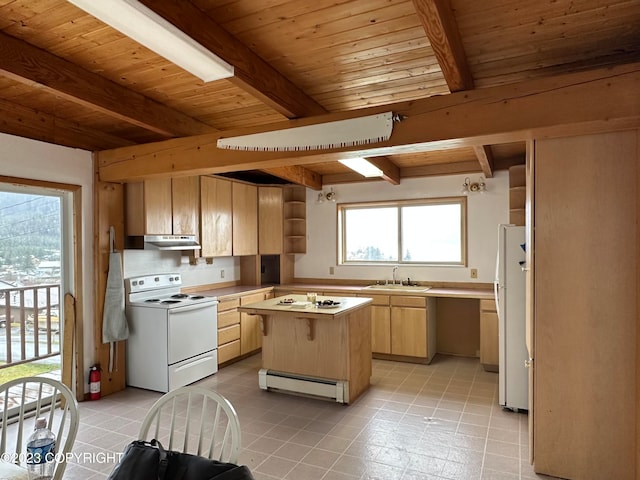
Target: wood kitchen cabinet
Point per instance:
(380, 329)
(238, 333)
(185, 205)
(245, 219)
(584, 314)
(270, 220)
(380, 324)
(215, 217)
(250, 333)
(228, 329)
(489, 343)
(161, 207)
(148, 208)
(400, 326)
(408, 326)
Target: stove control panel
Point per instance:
(153, 282)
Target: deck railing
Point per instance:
(29, 324)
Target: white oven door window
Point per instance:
(192, 330)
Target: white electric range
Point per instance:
(173, 336)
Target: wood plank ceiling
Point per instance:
(67, 78)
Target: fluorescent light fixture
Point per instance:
(146, 27)
(362, 166)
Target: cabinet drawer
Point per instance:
(403, 301)
(228, 351)
(253, 298)
(228, 334)
(488, 305)
(338, 294)
(230, 317)
(377, 299)
(228, 304)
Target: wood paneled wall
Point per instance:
(108, 211)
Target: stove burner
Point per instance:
(168, 302)
(151, 300)
(197, 297)
(180, 295)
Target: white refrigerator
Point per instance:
(510, 291)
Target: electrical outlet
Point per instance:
(474, 273)
(221, 273)
(331, 271)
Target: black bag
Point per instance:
(150, 461)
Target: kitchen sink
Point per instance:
(401, 288)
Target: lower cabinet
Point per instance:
(400, 327)
(238, 333)
(380, 329)
(409, 326)
(489, 343)
(228, 330)
(250, 333)
(380, 324)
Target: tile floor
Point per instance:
(438, 421)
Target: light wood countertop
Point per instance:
(302, 308)
(448, 292)
(228, 292)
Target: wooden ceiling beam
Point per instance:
(555, 106)
(252, 73)
(32, 66)
(297, 174)
(439, 169)
(485, 159)
(439, 23)
(434, 169)
(25, 122)
(390, 171)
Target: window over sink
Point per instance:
(424, 231)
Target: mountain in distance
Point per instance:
(29, 232)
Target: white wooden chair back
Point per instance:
(195, 420)
(25, 399)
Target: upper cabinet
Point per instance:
(185, 205)
(215, 217)
(295, 219)
(229, 218)
(245, 219)
(161, 207)
(270, 215)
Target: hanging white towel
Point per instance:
(114, 321)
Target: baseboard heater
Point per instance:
(319, 387)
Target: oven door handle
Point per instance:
(188, 308)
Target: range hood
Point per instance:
(171, 242)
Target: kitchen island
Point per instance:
(320, 350)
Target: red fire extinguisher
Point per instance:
(94, 382)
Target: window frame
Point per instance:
(399, 204)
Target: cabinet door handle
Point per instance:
(528, 362)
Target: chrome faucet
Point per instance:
(393, 274)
